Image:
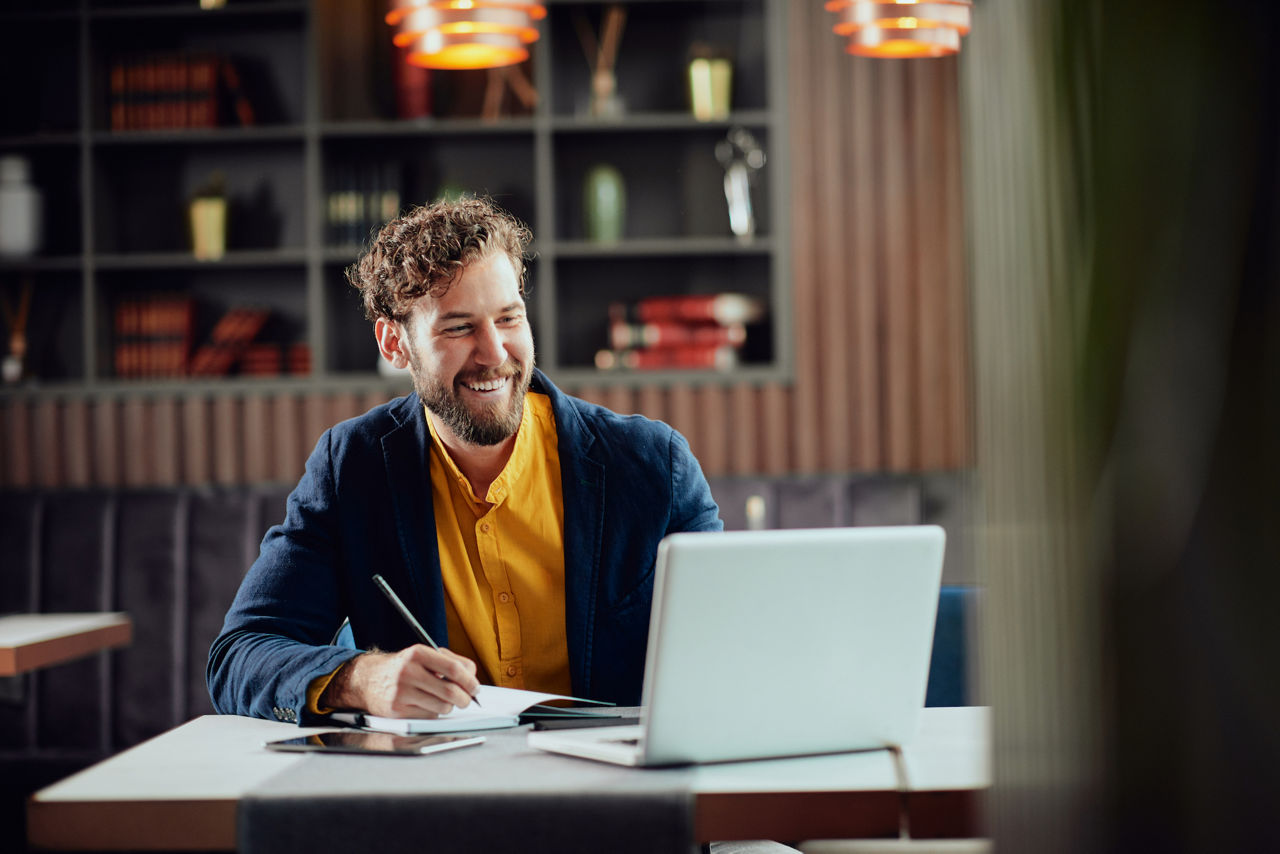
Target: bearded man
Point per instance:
(519, 525)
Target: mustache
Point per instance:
(513, 372)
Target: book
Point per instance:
(623, 335)
(228, 341)
(690, 357)
(722, 308)
(152, 335)
(498, 708)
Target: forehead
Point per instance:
(485, 286)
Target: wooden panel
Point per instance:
(258, 439)
(77, 450)
(931, 332)
(228, 440)
(167, 459)
(653, 403)
(136, 439)
(864, 338)
(960, 411)
(744, 429)
(807, 185)
(106, 443)
(289, 452)
(775, 406)
(47, 444)
(714, 424)
(833, 263)
(17, 450)
(197, 447)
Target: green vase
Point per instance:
(604, 203)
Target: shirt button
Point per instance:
(504, 597)
(484, 526)
(511, 670)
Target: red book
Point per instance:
(720, 308)
(691, 357)
(666, 333)
(228, 340)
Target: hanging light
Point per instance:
(901, 28)
(456, 34)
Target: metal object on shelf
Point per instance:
(742, 157)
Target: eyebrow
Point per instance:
(463, 315)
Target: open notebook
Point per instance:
(779, 643)
(499, 707)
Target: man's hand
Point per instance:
(417, 682)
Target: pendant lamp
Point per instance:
(901, 29)
(460, 34)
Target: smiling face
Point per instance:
(470, 352)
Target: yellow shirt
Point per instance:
(502, 559)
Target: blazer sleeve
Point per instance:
(276, 636)
(693, 508)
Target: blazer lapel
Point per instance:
(582, 480)
(405, 456)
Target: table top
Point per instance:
(179, 791)
(31, 641)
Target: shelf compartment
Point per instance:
(362, 193)
(587, 287)
(55, 326)
(674, 183)
(654, 50)
(141, 196)
(212, 294)
(148, 50)
(41, 51)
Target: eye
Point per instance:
(511, 319)
(455, 331)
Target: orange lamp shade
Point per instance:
(462, 34)
(901, 29)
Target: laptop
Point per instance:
(779, 643)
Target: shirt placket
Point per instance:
(507, 617)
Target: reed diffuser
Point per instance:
(602, 58)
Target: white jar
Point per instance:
(20, 208)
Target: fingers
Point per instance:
(451, 677)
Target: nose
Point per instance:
(491, 348)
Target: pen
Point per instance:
(408, 617)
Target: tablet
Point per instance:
(379, 743)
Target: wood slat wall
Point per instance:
(880, 314)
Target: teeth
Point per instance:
(489, 385)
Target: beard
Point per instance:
(484, 424)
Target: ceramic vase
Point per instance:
(604, 203)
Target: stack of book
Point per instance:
(298, 359)
(689, 331)
(361, 199)
(174, 89)
(230, 338)
(152, 335)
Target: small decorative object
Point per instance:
(15, 321)
(20, 208)
(604, 203)
(602, 57)
(742, 157)
(460, 34)
(209, 220)
(901, 29)
(710, 83)
(212, 4)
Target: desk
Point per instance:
(31, 641)
(180, 790)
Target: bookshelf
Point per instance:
(326, 154)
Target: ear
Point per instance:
(390, 342)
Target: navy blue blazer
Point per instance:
(363, 506)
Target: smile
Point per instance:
(488, 385)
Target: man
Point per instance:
(518, 524)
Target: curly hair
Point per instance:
(423, 252)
